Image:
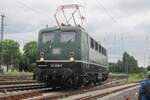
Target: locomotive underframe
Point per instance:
(69, 73)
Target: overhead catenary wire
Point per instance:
(108, 14)
(28, 7)
(114, 21)
(38, 12)
(106, 10)
(121, 27)
(22, 7)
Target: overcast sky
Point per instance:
(121, 25)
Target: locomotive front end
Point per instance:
(59, 50)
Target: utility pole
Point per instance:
(2, 26)
(2, 35)
(127, 71)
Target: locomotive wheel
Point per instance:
(67, 84)
(84, 81)
(37, 74)
(105, 77)
(76, 83)
(94, 79)
(34, 77)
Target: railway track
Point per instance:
(9, 86)
(90, 94)
(12, 78)
(42, 92)
(21, 91)
(17, 82)
(18, 87)
(34, 90)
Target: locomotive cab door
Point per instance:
(85, 51)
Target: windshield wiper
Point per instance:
(69, 40)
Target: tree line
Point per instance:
(12, 57)
(128, 64)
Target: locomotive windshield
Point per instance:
(47, 37)
(64, 37)
(67, 37)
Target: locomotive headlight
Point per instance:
(41, 56)
(72, 54)
(41, 59)
(71, 59)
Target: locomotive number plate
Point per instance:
(55, 65)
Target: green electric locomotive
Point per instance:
(69, 56)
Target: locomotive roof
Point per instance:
(62, 28)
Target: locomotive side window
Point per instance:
(105, 53)
(67, 36)
(47, 37)
(100, 48)
(92, 43)
(96, 46)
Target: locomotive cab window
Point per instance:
(47, 37)
(67, 36)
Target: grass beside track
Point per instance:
(132, 77)
(137, 77)
(16, 74)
